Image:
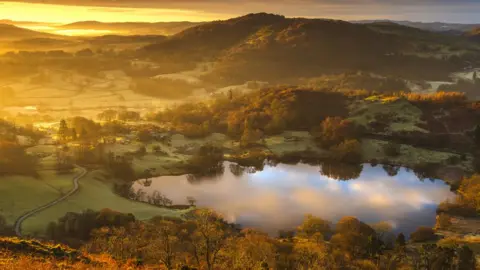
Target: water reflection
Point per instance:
(278, 196)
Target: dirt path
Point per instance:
(21, 219)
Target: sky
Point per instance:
(66, 11)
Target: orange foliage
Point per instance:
(436, 98)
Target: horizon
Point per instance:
(63, 12)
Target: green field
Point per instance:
(397, 114)
(95, 193)
(22, 193)
(409, 155)
(292, 141)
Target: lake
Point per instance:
(278, 197)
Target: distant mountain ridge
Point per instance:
(453, 28)
(10, 32)
(130, 28)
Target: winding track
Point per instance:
(21, 219)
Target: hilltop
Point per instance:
(272, 47)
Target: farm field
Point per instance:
(95, 194)
(22, 193)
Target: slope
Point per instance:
(10, 33)
(274, 48)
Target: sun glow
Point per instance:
(68, 14)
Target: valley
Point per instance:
(306, 135)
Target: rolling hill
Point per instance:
(10, 33)
(274, 48)
(133, 28)
(442, 27)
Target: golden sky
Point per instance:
(66, 11)
(67, 14)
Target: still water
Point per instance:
(278, 197)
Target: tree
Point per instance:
(165, 243)
(347, 151)
(83, 134)
(207, 160)
(466, 258)
(208, 237)
(191, 201)
(341, 171)
(311, 255)
(356, 238)
(63, 131)
(74, 134)
(250, 137)
(108, 115)
(251, 250)
(384, 232)
(423, 234)
(313, 225)
(334, 130)
(400, 241)
(469, 192)
(128, 116)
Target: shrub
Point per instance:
(334, 130)
(423, 234)
(347, 151)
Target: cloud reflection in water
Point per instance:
(278, 197)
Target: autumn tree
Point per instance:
(208, 236)
(423, 234)
(311, 255)
(469, 192)
(314, 227)
(108, 115)
(347, 151)
(165, 243)
(356, 238)
(250, 250)
(334, 130)
(207, 159)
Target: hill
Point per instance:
(272, 47)
(453, 28)
(133, 28)
(117, 39)
(9, 33)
